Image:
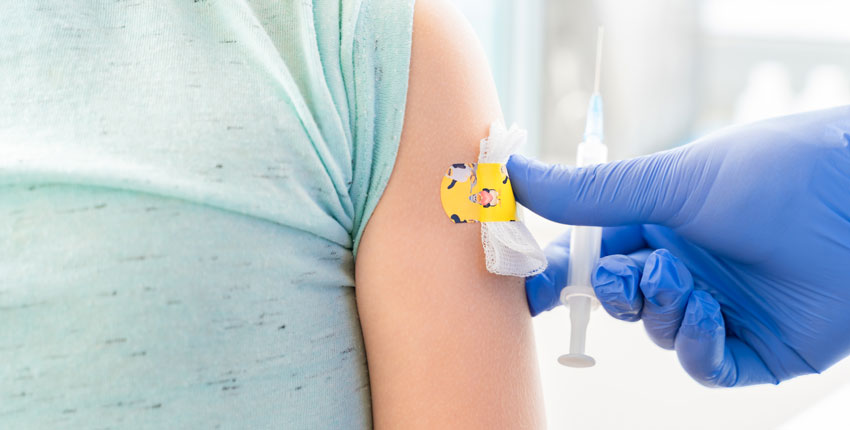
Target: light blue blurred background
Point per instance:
(672, 70)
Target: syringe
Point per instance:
(585, 241)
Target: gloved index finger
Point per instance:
(651, 189)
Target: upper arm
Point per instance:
(448, 344)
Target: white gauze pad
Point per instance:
(509, 248)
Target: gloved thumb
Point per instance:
(646, 190)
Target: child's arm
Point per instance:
(435, 361)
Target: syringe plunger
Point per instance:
(579, 317)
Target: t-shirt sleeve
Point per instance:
(375, 80)
(349, 62)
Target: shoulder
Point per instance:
(450, 82)
(451, 102)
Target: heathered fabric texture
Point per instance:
(183, 185)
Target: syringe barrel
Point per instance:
(585, 241)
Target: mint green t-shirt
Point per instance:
(183, 186)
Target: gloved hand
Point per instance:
(734, 250)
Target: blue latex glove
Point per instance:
(734, 250)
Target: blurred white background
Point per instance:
(672, 70)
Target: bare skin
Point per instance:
(449, 345)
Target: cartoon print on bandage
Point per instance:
(462, 172)
(489, 197)
(485, 197)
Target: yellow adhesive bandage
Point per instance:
(478, 192)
